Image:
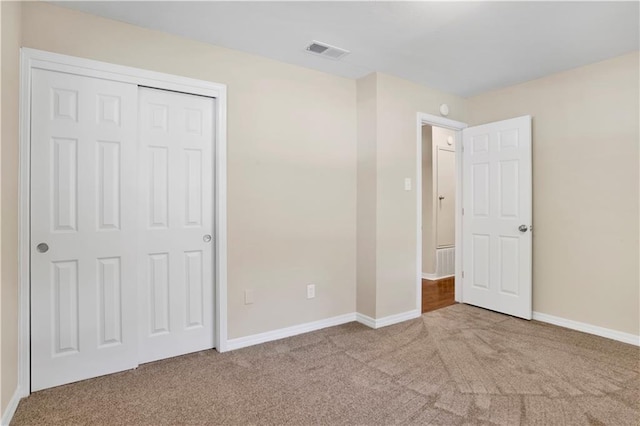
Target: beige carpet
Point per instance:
(457, 365)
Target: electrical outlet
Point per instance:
(311, 291)
(248, 297)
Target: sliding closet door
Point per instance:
(175, 211)
(83, 227)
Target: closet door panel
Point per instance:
(83, 228)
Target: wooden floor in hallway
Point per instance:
(437, 294)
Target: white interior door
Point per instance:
(175, 208)
(497, 218)
(446, 197)
(83, 200)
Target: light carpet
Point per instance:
(458, 365)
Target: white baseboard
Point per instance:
(434, 277)
(365, 320)
(269, 336)
(390, 320)
(254, 339)
(8, 413)
(588, 328)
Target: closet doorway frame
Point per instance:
(457, 126)
(31, 59)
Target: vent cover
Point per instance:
(326, 50)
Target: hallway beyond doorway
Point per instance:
(437, 294)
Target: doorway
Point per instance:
(451, 259)
(493, 238)
(438, 217)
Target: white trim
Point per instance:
(30, 59)
(10, 410)
(390, 320)
(108, 71)
(620, 336)
(434, 120)
(434, 277)
(365, 320)
(220, 234)
(458, 228)
(24, 185)
(268, 336)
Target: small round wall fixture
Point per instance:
(449, 140)
(444, 110)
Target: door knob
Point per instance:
(523, 228)
(42, 248)
(206, 238)
(441, 198)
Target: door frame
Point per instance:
(457, 126)
(37, 59)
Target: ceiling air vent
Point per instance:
(326, 50)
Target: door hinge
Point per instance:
(462, 274)
(463, 211)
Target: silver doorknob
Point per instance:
(206, 238)
(42, 248)
(522, 228)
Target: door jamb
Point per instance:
(37, 59)
(458, 127)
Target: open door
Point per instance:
(497, 216)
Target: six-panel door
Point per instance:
(83, 222)
(497, 202)
(175, 215)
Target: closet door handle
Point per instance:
(441, 198)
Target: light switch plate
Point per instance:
(407, 184)
(248, 297)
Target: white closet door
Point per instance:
(83, 224)
(497, 202)
(175, 210)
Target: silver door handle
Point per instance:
(523, 228)
(206, 238)
(42, 248)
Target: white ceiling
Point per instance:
(458, 47)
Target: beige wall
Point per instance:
(393, 266)
(9, 85)
(428, 216)
(585, 188)
(291, 163)
(366, 198)
(398, 102)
